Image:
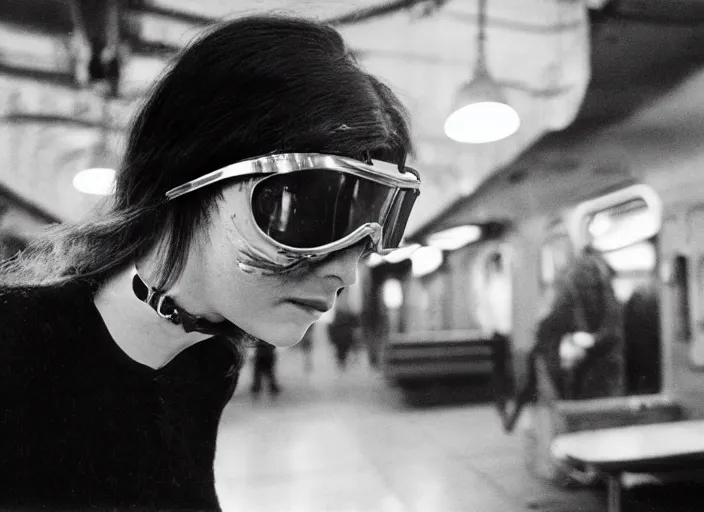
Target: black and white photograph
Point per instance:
(352, 255)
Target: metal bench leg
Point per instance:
(614, 493)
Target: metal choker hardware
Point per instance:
(167, 309)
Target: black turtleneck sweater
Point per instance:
(83, 426)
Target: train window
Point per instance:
(436, 289)
(700, 284)
(680, 303)
(601, 334)
(547, 266)
(633, 266)
(493, 292)
(638, 258)
(498, 292)
(554, 256)
(392, 294)
(622, 225)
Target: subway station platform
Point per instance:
(335, 441)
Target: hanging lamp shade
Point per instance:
(96, 180)
(99, 178)
(481, 113)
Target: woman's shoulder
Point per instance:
(18, 299)
(33, 305)
(34, 319)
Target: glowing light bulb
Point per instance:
(392, 294)
(426, 260)
(455, 238)
(97, 181)
(374, 260)
(401, 253)
(482, 122)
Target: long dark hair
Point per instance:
(248, 87)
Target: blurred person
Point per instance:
(343, 334)
(265, 367)
(306, 346)
(264, 164)
(580, 338)
(497, 318)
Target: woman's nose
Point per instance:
(344, 264)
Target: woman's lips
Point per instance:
(318, 305)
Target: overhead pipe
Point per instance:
(38, 75)
(14, 199)
(57, 119)
(141, 7)
(384, 9)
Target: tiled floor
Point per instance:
(334, 442)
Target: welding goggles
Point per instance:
(305, 205)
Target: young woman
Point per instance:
(262, 168)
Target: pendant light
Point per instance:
(455, 238)
(99, 178)
(481, 113)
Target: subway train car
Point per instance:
(630, 193)
(652, 238)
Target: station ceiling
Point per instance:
(561, 63)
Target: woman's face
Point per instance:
(276, 308)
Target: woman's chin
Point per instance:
(286, 336)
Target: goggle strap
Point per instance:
(401, 164)
(403, 169)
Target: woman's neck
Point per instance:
(136, 328)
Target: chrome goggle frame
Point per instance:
(393, 176)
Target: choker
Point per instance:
(167, 309)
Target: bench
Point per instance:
(653, 448)
(435, 354)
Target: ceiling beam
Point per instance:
(383, 9)
(59, 78)
(46, 16)
(33, 209)
(172, 14)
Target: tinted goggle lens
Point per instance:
(316, 207)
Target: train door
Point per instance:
(682, 332)
(542, 423)
(555, 254)
(683, 272)
(435, 287)
(491, 278)
(695, 228)
(623, 228)
(492, 293)
(598, 356)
